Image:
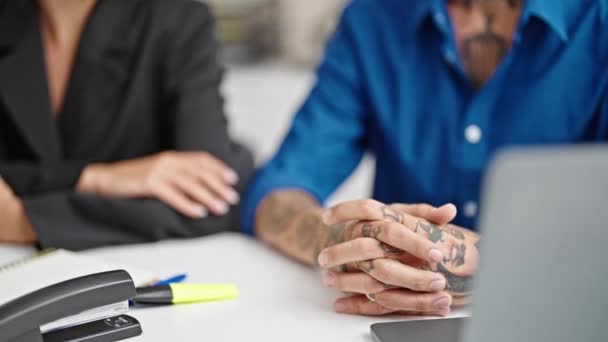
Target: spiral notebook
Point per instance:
(47, 268)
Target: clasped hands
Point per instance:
(395, 259)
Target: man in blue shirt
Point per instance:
(433, 88)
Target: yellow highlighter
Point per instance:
(185, 293)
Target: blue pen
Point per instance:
(173, 280)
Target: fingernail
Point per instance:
(446, 206)
(435, 255)
(442, 303)
(329, 279)
(326, 216)
(340, 307)
(322, 259)
(199, 211)
(222, 208)
(232, 177)
(437, 285)
(444, 312)
(233, 197)
(436, 209)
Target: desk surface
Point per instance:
(280, 299)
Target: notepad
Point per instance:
(51, 267)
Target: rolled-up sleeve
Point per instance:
(328, 136)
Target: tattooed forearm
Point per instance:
(279, 209)
(291, 222)
(307, 227)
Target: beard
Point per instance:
(482, 54)
(511, 3)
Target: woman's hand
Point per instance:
(190, 182)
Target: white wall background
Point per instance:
(261, 101)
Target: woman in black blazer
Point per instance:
(111, 124)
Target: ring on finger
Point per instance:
(371, 297)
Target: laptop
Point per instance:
(544, 267)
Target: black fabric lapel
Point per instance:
(100, 79)
(23, 85)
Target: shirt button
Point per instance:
(470, 209)
(473, 134)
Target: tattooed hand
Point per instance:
(394, 252)
(461, 256)
(401, 278)
(387, 257)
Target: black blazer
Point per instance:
(145, 80)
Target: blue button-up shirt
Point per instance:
(392, 83)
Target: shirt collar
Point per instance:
(553, 13)
(420, 10)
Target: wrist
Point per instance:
(14, 207)
(324, 235)
(23, 231)
(91, 179)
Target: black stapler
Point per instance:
(21, 319)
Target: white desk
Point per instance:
(280, 299)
